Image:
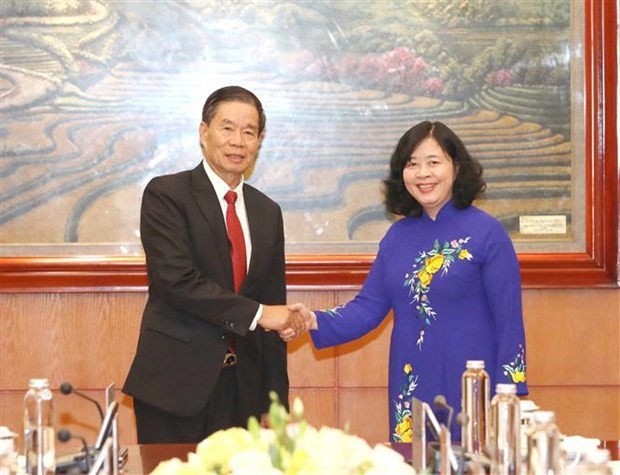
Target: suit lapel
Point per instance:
(256, 224)
(206, 199)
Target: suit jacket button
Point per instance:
(224, 336)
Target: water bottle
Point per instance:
(543, 445)
(475, 404)
(505, 431)
(39, 429)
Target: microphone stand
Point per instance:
(441, 403)
(461, 419)
(445, 446)
(67, 388)
(103, 459)
(116, 458)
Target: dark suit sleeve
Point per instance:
(274, 349)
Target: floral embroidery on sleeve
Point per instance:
(334, 312)
(425, 267)
(515, 370)
(403, 429)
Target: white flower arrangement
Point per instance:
(289, 447)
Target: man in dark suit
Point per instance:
(205, 359)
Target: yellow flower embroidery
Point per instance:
(434, 263)
(403, 422)
(404, 430)
(425, 278)
(515, 370)
(464, 254)
(425, 267)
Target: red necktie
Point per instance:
(237, 243)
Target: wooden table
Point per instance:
(142, 459)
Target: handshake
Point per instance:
(290, 321)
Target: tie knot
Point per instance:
(230, 197)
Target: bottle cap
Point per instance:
(475, 364)
(39, 383)
(506, 389)
(543, 416)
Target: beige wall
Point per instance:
(88, 339)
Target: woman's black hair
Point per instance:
(468, 184)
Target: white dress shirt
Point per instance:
(221, 188)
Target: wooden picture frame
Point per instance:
(596, 266)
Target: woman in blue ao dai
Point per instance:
(449, 273)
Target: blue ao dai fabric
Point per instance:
(454, 286)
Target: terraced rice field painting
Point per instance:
(99, 96)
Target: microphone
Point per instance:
(462, 419)
(67, 388)
(441, 403)
(65, 435)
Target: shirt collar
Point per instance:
(220, 186)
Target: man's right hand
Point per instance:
(281, 318)
(309, 318)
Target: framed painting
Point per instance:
(100, 96)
